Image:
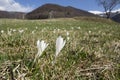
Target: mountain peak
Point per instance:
(56, 11)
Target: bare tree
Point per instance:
(108, 6)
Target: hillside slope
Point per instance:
(116, 18)
(91, 51)
(56, 11)
(13, 15)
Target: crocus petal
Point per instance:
(38, 42)
(63, 44)
(41, 45)
(59, 44)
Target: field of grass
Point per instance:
(91, 52)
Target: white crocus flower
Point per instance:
(33, 31)
(78, 27)
(54, 31)
(41, 45)
(21, 31)
(60, 43)
(89, 32)
(14, 30)
(68, 38)
(67, 33)
(9, 32)
(36, 27)
(2, 31)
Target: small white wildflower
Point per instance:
(43, 30)
(41, 45)
(9, 33)
(14, 30)
(21, 31)
(78, 27)
(33, 32)
(60, 43)
(54, 31)
(36, 27)
(2, 31)
(89, 32)
(67, 33)
(68, 38)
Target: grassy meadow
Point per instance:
(91, 52)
